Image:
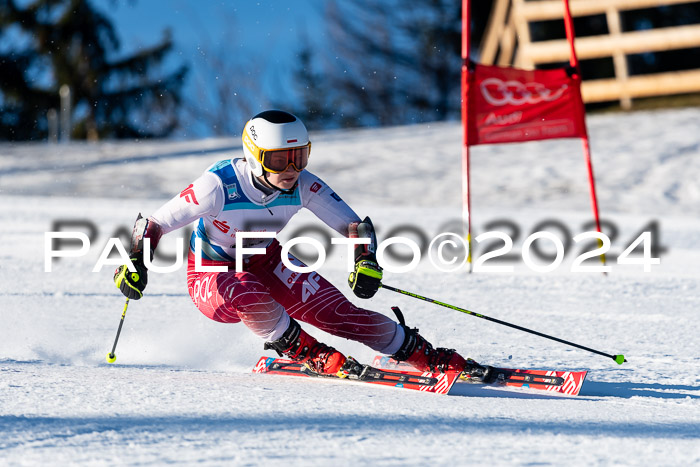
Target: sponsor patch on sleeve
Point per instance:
(188, 194)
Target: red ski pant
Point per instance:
(260, 295)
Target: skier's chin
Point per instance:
(287, 182)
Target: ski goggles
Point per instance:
(278, 160)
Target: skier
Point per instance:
(270, 184)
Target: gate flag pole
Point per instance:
(467, 225)
(573, 62)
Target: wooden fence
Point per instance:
(507, 42)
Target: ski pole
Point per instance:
(111, 357)
(619, 359)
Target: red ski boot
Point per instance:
(418, 352)
(299, 346)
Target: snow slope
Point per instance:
(182, 392)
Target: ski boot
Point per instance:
(475, 373)
(300, 347)
(351, 369)
(419, 353)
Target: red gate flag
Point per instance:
(510, 105)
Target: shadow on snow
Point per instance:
(15, 430)
(632, 389)
(590, 388)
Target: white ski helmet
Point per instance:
(273, 140)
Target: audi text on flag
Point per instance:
(508, 105)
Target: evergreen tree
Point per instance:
(390, 62)
(49, 43)
(316, 109)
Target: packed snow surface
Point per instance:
(182, 391)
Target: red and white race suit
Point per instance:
(225, 201)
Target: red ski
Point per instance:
(563, 382)
(438, 383)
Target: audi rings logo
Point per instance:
(497, 92)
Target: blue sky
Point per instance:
(270, 22)
(261, 35)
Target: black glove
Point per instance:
(366, 279)
(130, 283)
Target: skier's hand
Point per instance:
(366, 279)
(130, 283)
